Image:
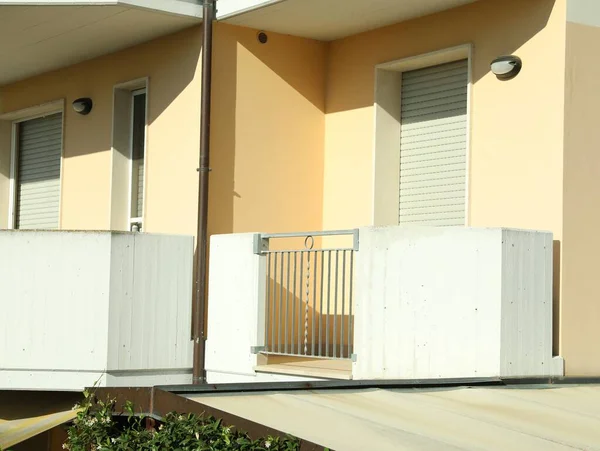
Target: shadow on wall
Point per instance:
(15, 405)
(267, 132)
(512, 26)
(292, 324)
(171, 63)
(309, 302)
(178, 54)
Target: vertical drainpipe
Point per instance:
(199, 370)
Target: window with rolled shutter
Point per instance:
(39, 144)
(433, 145)
(138, 155)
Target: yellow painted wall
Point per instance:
(268, 128)
(172, 64)
(516, 126)
(581, 243)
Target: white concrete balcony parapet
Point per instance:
(426, 303)
(85, 308)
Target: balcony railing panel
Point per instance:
(309, 293)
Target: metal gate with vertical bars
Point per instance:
(309, 302)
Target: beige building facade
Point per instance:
(308, 129)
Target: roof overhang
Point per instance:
(327, 20)
(40, 36)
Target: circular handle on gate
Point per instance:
(309, 239)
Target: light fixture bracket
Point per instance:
(506, 67)
(83, 105)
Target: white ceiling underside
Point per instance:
(327, 20)
(35, 39)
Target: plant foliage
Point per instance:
(96, 428)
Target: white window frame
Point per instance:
(16, 117)
(138, 220)
(386, 145)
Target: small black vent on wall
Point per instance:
(262, 37)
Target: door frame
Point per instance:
(386, 139)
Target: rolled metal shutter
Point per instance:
(38, 176)
(433, 145)
(140, 192)
(138, 154)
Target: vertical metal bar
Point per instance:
(343, 303)
(350, 302)
(321, 304)
(280, 306)
(268, 300)
(335, 302)
(307, 306)
(328, 303)
(315, 272)
(300, 303)
(274, 303)
(294, 302)
(287, 301)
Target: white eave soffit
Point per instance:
(187, 8)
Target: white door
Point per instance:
(433, 145)
(39, 144)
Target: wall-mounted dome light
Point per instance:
(507, 67)
(83, 105)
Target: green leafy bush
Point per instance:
(97, 429)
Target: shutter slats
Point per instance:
(457, 73)
(44, 157)
(414, 193)
(440, 146)
(39, 213)
(140, 191)
(40, 200)
(424, 154)
(37, 129)
(412, 88)
(40, 187)
(427, 91)
(457, 108)
(411, 75)
(430, 199)
(38, 178)
(433, 145)
(33, 138)
(42, 152)
(40, 168)
(460, 160)
(425, 184)
(443, 94)
(430, 175)
(428, 135)
(423, 125)
(440, 100)
(422, 119)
